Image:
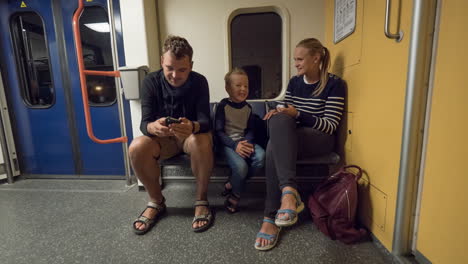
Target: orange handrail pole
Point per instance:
(83, 73)
(103, 73)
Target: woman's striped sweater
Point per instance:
(321, 112)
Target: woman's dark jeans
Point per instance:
(288, 142)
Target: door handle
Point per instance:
(398, 36)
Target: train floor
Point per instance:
(89, 221)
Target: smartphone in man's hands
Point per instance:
(171, 120)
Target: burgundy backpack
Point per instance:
(333, 206)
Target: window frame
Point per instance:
(285, 42)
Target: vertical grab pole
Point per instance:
(123, 129)
(420, 52)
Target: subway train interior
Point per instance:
(70, 98)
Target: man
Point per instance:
(178, 92)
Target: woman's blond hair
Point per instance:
(314, 46)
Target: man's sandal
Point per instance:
(201, 218)
(147, 222)
(273, 238)
(230, 206)
(292, 219)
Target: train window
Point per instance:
(256, 47)
(32, 57)
(97, 55)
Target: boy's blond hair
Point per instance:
(235, 70)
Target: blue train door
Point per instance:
(43, 88)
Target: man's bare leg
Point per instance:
(200, 148)
(143, 152)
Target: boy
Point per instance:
(234, 124)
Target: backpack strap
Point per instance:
(358, 174)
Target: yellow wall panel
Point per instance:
(349, 133)
(443, 233)
(374, 213)
(376, 94)
(348, 53)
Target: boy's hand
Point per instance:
(182, 130)
(159, 128)
(244, 149)
(290, 111)
(270, 114)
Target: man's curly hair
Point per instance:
(178, 46)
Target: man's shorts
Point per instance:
(171, 146)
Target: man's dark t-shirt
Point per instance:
(160, 99)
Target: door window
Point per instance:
(97, 55)
(32, 59)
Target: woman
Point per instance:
(312, 111)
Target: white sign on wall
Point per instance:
(345, 18)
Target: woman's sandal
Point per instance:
(149, 223)
(230, 206)
(226, 190)
(272, 238)
(292, 219)
(201, 218)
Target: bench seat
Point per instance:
(184, 160)
(308, 170)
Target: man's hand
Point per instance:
(182, 130)
(244, 149)
(270, 114)
(290, 111)
(159, 128)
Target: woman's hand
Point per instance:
(244, 149)
(290, 111)
(270, 114)
(182, 130)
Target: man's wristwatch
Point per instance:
(193, 127)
